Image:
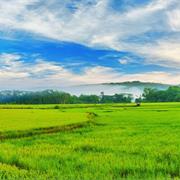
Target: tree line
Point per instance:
(172, 94)
(58, 97)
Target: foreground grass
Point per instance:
(125, 142)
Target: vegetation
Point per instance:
(23, 119)
(57, 97)
(172, 94)
(120, 141)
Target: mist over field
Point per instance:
(107, 89)
(134, 88)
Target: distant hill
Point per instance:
(139, 84)
(134, 87)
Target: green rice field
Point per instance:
(84, 142)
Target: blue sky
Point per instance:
(51, 44)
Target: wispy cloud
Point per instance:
(174, 19)
(93, 23)
(164, 52)
(15, 74)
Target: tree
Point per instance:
(172, 94)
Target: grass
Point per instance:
(23, 119)
(122, 142)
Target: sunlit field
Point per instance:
(111, 141)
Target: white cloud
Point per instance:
(174, 20)
(164, 53)
(125, 60)
(94, 25)
(43, 74)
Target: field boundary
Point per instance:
(39, 131)
(62, 106)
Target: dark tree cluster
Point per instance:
(172, 94)
(57, 97)
(117, 98)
